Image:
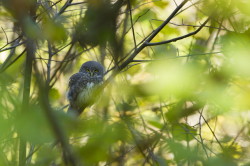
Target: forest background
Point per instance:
(176, 91)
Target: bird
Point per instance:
(82, 85)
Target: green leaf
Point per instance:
(183, 132)
(164, 51)
(155, 123)
(54, 94)
(161, 4)
(125, 107)
(33, 126)
(145, 15)
(54, 31)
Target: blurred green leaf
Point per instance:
(145, 15)
(5, 126)
(54, 94)
(155, 123)
(161, 4)
(235, 47)
(125, 107)
(53, 31)
(243, 6)
(31, 29)
(98, 145)
(165, 51)
(180, 110)
(183, 154)
(183, 132)
(33, 126)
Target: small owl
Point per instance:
(82, 84)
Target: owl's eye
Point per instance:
(87, 70)
(95, 70)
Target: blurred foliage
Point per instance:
(182, 103)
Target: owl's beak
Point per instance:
(91, 74)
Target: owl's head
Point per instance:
(92, 68)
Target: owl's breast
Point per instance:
(90, 85)
(83, 97)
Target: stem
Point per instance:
(26, 94)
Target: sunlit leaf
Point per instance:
(161, 4)
(54, 94)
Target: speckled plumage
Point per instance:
(81, 85)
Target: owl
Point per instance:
(82, 84)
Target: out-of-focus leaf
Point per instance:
(161, 4)
(31, 29)
(243, 6)
(53, 31)
(181, 153)
(180, 110)
(153, 120)
(97, 146)
(213, 24)
(232, 150)
(125, 107)
(169, 30)
(33, 126)
(134, 70)
(172, 78)
(183, 132)
(54, 94)
(5, 126)
(145, 15)
(219, 160)
(235, 47)
(164, 51)
(156, 124)
(46, 155)
(199, 46)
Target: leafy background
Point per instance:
(172, 96)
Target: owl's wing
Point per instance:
(77, 82)
(74, 78)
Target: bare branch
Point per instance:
(131, 21)
(11, 47)
(154, 33)
(180, 37)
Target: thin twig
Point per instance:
(188, 25)
(174, 57)
(7, 40)
(154, 33)
(180, 37)
(131, 21)
(200, 134)
(212, 132)
(14, 46)
(65, 6)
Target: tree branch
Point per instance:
(179, 38)
(154, 33)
